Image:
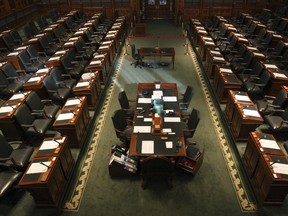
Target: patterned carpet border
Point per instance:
(245, 204)
(75, 199)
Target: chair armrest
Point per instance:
(269, 97)
(21, 72)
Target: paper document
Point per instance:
(157, 86)
(142, 129)
(166, 130)
(272, 144)
(38, 167)
(169, 144)
(106, 42)
(68, 43)
(103, 47)
(6, 109)
(60, 52)
(170, 98)
(71, 102)
(147, 119)
(13, 53)
(82, 84)
(42, 70)
(172, 119)
(56, 58)
(280, 75)
(272, 66)
(253, 113)
(158, 93)
(17, 96)
(34, 79)
(226, 70)
(144, 100)
(65, 116)
(147, 147)
(242, 98)
(87, 76)
(218, 58)
(49, 144)
(280, 168)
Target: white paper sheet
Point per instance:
(65, 116)
(169, 144)
(147, 119)
(42, 70)
(144, 100)
(272, 66)
(226, 70)
(6, 109)
(147, 147)
(142, 129)
(82, 84)
(272, 144)
(242, 98)
(49, 144)
(280, 168)
(17, 96)
(280, 75)
(170, 99)
(38, 167)
(172, 119)
(71, 102)
(253, 113)
(166, 130)
(34, 79)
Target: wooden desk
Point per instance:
(235, 97)
(100, 64)
(161, 52)
(226, 81)
(257, 144)
(46, 185)
(246, 118)
(213, 58)
(58, 147)
(261, 158)
(13, 58)
(204, 43)
(73, 120)
(8, 125)
(89, 86)
(55, 60)
(158, 136)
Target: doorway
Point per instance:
(157, 9)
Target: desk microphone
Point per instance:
(277, 161)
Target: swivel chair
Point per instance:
(136, 56)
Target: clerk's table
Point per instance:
(157, 133)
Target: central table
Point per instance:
(157, 126)
(149, 51)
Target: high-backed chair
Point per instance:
(157, 166)
(251, 73)
(31, 125)
(136, 56)
(71, 66)
(269, 103)
(29, 65)
(127, 105)
(57, 94)
(185, 100)
(277, 120)
(8, 179)
(8, 88)
(18, 158)
(44, 107)
(36, 55)
(189, 127)
(62, 80)
(121, 126)
(12, 74)
(256, 87)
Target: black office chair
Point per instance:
(122, 126)
(190, 124)
(29, 65)
(269, 103)
(30, 124)
(136, 56)
(157, 166)
(277, 120)
(17, 158)
(57, 94)
(9, 178)
(36, 55)
(62, 80)
(256, 87)
(127, 105)
(73, 65)
(12, 74)
(187, 96)
(9, 87)
(251, 73)
(45, 108)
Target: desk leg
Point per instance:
(173, 60)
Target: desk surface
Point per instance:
(166, 141)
